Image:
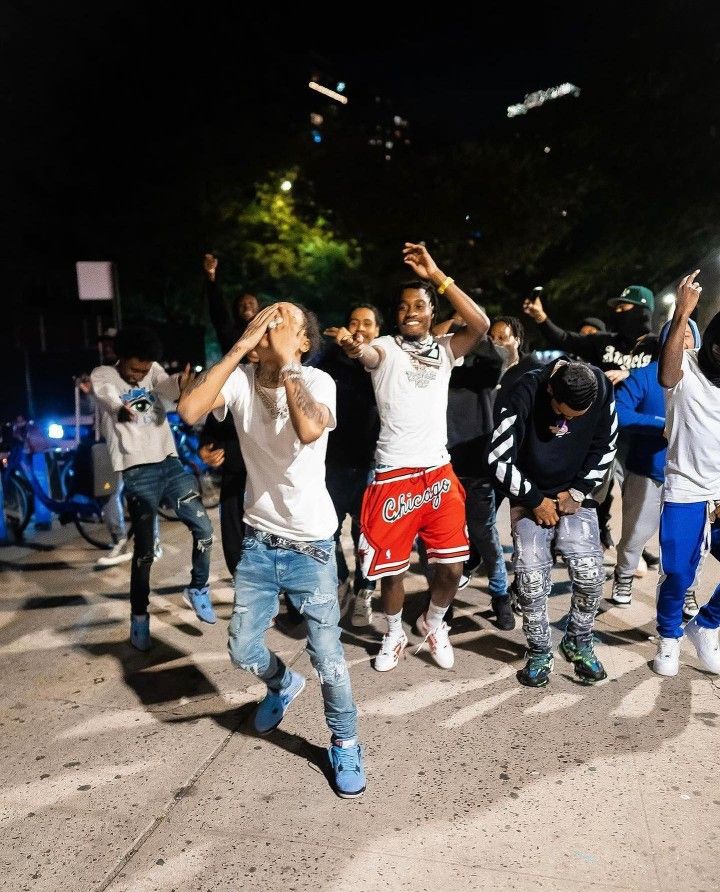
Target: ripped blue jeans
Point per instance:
(263, 572)
(577, 538)
(146, 486)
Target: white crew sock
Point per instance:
(435, 615)
(394, 621)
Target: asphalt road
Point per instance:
(130, 771)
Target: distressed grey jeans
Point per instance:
(577, 537)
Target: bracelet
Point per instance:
(443, 288)
(291, 370)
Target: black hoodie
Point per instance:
(606, 350)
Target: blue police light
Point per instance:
(56, 431)
(316, 136)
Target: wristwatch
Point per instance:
(577, 496)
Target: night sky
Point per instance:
(115, 112)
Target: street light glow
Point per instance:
(286, 185)
(328, 92)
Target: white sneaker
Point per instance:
(464, 582)
(641, 569)
(390, 652)
(362, 614)
(667, 658)
(706, 644)
(438, 642)
(116, 555)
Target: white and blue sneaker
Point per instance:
(272, 709)
(199, 600)
(140, 631)
(346, 761)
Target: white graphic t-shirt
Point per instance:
(148, 438)
(692, 429)
(285, 492)
(411, 391)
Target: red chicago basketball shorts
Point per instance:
(404, 503)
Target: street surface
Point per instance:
(134, 772)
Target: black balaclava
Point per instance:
(709, 366)
(633, 324)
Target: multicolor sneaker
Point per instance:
(199, 600)
(346, 761)
(582, 655)
(391, 649)
(536, 672)
(140, 631)
(438, 642)
(272, 709)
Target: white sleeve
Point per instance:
(104, 385)
(235, 392)
(167, 387)
(444, 342)
(323, 390)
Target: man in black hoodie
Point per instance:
(612, 351)
(554, 440)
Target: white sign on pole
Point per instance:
(95, 280)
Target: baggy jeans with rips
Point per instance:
(577, 537)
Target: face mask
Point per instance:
(632, 324)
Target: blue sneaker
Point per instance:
(272, 710)
(348, 770)
(140, 632)
(536, 672)
(199, 600)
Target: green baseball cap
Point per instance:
(635, 294)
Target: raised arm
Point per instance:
(686, 299)
(202, 394)
(570, 341)
(309, 416)
(420, 261)
(356, 348)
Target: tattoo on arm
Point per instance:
(306, 404)
(198, 381)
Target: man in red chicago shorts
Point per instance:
(414, 490)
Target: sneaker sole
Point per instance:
(344, 795)
(620, 603)
(189, 603)
(270, 730)
(532, 684)
(665, 674)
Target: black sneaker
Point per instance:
(652, 560)
(503, 612)
(582, 655)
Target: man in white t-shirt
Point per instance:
(134, 423)
(691, 495)
(283, 412)
(414, 490)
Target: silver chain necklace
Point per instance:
(274, 410)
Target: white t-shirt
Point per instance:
(285, 492)
(148, 439)
(412, 398)
(692, 428)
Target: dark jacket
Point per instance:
(470, 409)
(352, 443)
(606, 350)
(528, 461)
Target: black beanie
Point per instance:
(595, 322)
